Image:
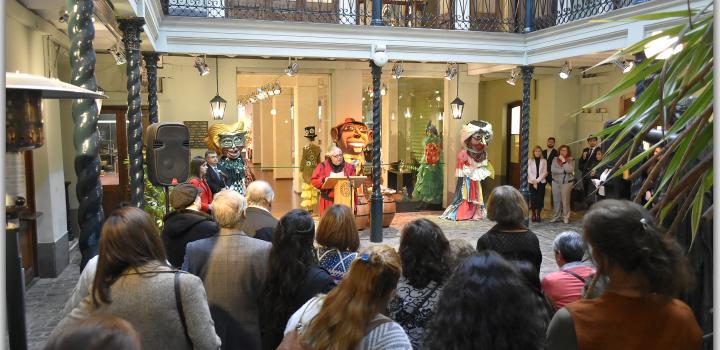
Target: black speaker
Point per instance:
(167, 147)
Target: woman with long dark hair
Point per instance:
(646, 270)
(424, 254)
(350, 316)
(486, 305)
(133, 281)
(198, 170)
(293, 275)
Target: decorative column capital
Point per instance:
(131, 28)
(151, 58)
(527, 71)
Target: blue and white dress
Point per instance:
(336, 262)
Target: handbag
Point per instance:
(178, 305)
(292, 340)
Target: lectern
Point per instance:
(344, 188)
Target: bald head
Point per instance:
(260, 194)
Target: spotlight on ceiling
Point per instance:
(451, 71)
(513, 77)
(397, 70)
(625, 66)
(277, 89)
(201, 66)
(118, 54)
(292, 68)
(565, 71)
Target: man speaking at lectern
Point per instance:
(333, 166)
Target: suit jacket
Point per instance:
(233, 268)
(534, 173)
(214, 180)
(587, 164)
(257, 218)
(549, 156)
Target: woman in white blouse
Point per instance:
(537, 172)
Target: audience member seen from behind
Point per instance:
(537, 174)
(646, 269)
(339, 241)
(259, 222)
(424, 253)
(563, 174)
(486, 305)
(510, 237)
(350, 316)
(198, 170)
(566, 286)
(186, 223)
(233, 268)
(97, 333)
(134, 282)
(460, 250)
(293, 275)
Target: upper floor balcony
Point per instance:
(508, 16)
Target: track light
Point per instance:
(625, 66)
(513, 77)
(292, 68)
(565, 71)
(397, 70)
(451, 71)
(118, 54)
(201, 66)
(277, 88)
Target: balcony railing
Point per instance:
(474, 15)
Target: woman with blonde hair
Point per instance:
(339, 241)
(563, 177)
(350, 316)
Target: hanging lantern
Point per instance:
(457, 106)
(217, 104)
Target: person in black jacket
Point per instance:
(186, 223)
(293, 275)
(215, 176)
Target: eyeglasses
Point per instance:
(336, 155)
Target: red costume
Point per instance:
(322, 172)
(205, 193)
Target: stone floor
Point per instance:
(46, 297)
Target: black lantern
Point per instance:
(457, 104)
(217, 104)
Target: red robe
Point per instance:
(321, 172)
(205, 193)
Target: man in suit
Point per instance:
(586, 163)
(550, 153)
(233, 268)
(257, 216)
(214, 177)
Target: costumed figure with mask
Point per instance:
(471, 169)
(334, 165)
(352, 137)
(229, 139)
(430, 172)
(311, 157)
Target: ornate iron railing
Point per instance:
(474, 15)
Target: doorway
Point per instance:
(514, 111)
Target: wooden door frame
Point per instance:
(32, 219)
(508, 136)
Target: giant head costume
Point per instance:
(352, 137)
(476, 135)
(226, 139)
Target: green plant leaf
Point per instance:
(697, 205)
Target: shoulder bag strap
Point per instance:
(575, 275)
(178, 304)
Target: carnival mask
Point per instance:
(232, 144)
(353, 137)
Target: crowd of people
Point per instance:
(240, 280)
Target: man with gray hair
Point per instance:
(232, 267)
(259, 222)
(565, 286)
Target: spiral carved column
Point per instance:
(527, 73)
(151, 60)
(376, 200)
(85, 138)
(131, 29)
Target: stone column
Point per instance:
(131, 28)
(85, 116)
(527, 73)
(151, 60)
